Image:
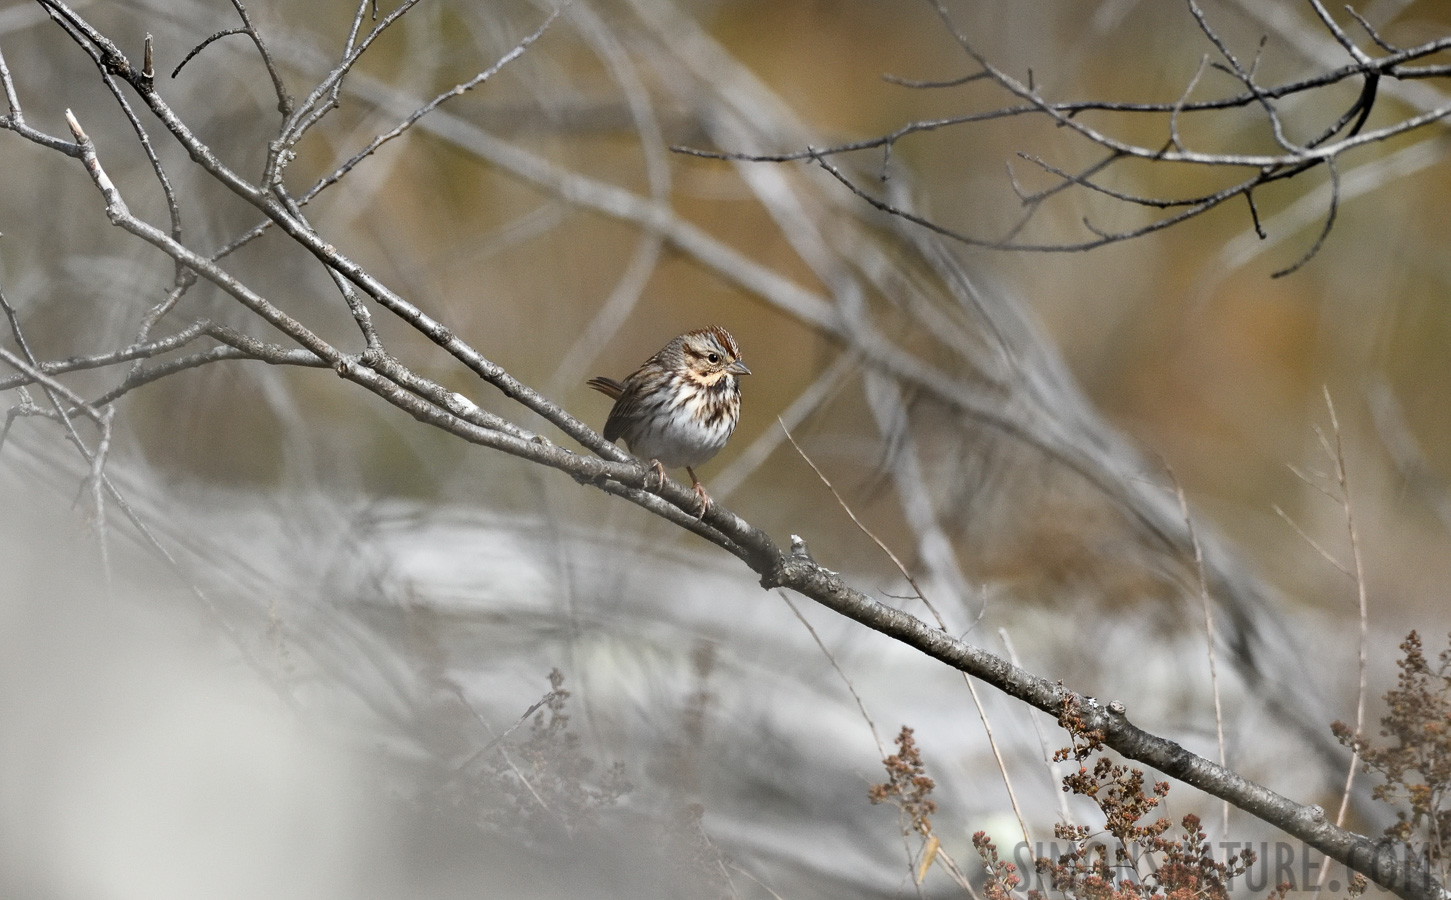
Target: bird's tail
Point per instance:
(607, 386)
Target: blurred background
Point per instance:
(298, 675)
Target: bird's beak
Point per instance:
(738, 368)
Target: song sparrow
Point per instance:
(679, 408)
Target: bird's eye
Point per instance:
(714, 357)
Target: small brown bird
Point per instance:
(680, 407)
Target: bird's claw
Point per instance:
(660, 474)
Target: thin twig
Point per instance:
(1362, 600)
(971, 687)
(101, 360)
(1370, 30)
(861, 707)
(496, 739)
(430, 106)
(765, 887)
(1324, 554)
(1065, 815)
(284, 99)
(1208, 606)
(1276, 127)
(1174, 138)
(308, 113)
(1325, 230)
(862, 526)
(191, 54)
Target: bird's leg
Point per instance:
(699, 492)
(659, 473)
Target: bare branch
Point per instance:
(308, 113)
(1339, 33)
(1370, 30)
(15, 121)
(1334, 140)
(203, 45)
(1245, 78)
(284, 99)
(951, 82)
(1324, 231)
(425, 109)
(101, 360)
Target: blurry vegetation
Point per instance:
(1415, 769)
(545, 784)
